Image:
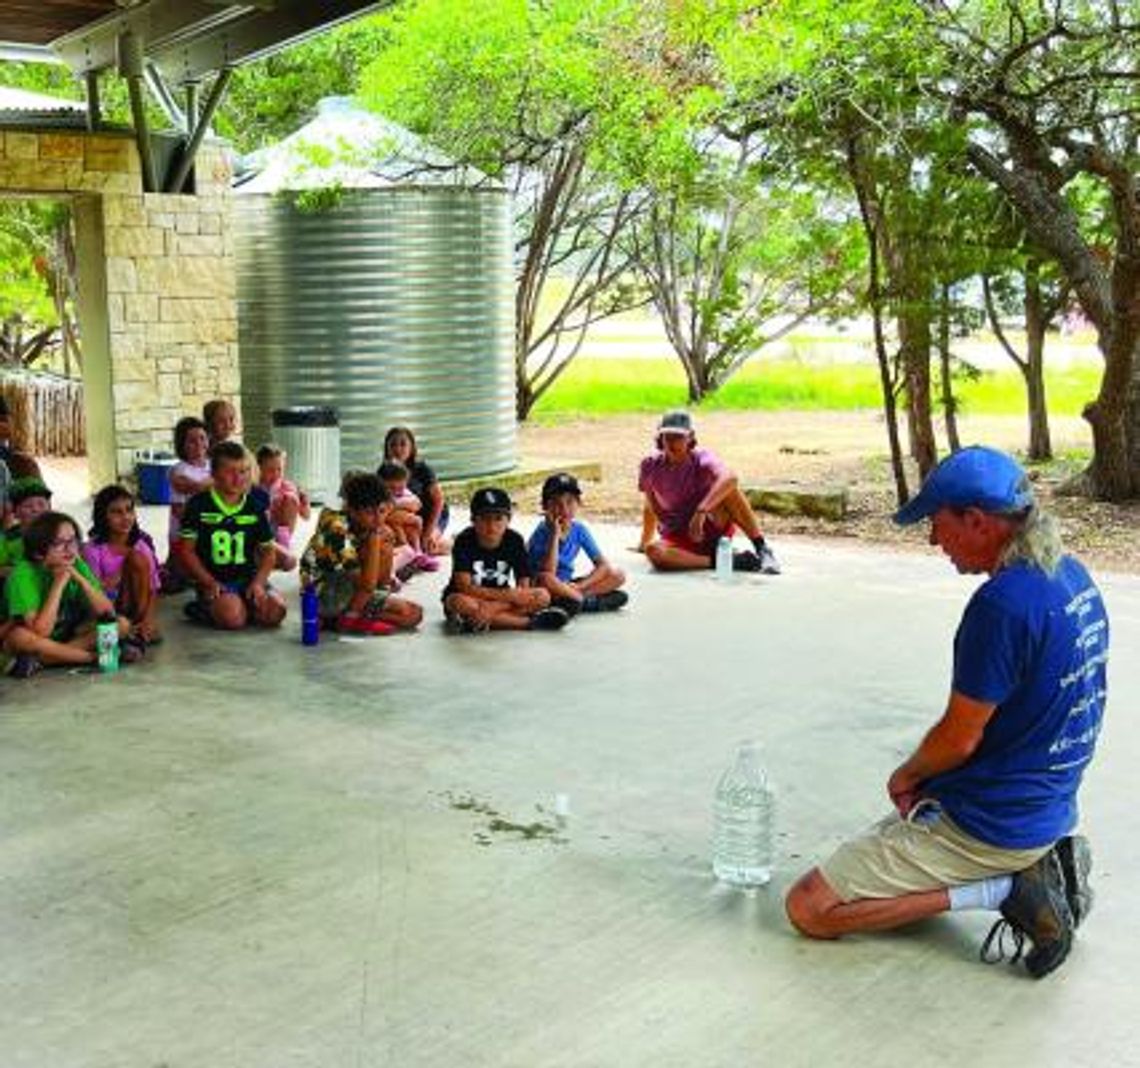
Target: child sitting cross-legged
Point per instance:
(490, 586)
(554, 548)
(404, 520)
(226, 547)
(54, 601)
(349, 562)
(122, 559)
(287, 502)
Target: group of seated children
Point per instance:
(57, 588)
(282, 501)
(500, 583)
(228, 534)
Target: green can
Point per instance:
(107, 645)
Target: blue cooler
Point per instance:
(152, 469)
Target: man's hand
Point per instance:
(903, 789)
(256, 593)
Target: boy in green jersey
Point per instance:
(226, 547)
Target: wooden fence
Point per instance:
(46, 413)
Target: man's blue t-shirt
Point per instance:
(578, 540)
(1036, 645)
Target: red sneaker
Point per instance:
(347, 624)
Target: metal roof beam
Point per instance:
(155, 23)
(255, 35)
(161, 92)
(26, 53)
(188, 39)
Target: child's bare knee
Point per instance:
(407, 613)
(228, 612)
(21, 640)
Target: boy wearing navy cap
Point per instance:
(490, 586)
(554, 548)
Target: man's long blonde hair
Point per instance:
(1036, 540)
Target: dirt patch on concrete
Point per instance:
(831, 448)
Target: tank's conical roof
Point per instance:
(347, 146)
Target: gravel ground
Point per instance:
(828, 448)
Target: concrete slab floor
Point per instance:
(247, 853)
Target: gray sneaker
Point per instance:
(1075, 855)
(1037, 910)
(769, 565)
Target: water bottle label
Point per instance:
(107, 646)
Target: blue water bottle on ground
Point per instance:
(310, 615)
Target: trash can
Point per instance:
(152, 470)
(310, 437)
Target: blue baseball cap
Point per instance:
(974, 477)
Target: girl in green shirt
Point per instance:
(54, 601)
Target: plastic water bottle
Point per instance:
(724, 558)
(743, 809)
(107, 644)
(310, 615)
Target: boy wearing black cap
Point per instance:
(554, 548)
(490, 586)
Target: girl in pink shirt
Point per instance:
(122, 558)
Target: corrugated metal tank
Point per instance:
(394, 305)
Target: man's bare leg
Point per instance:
(818, 912)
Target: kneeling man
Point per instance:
(987, 803)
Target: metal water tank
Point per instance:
(393, 302)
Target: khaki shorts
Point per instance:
(927, 852)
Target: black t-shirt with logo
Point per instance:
(226, 536)
(499, 568)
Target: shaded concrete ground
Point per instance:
(247, 853)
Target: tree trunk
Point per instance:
(1036, 322)
(1108, 298)
(914, 344)
(871, 215)
(949, 401)
(1114, 427)
(524, 394)
(696, 376)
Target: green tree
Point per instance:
(842, 87)
(37, 283)
(1049, 91)
(738, 259)
(269, 99)
(540, 97)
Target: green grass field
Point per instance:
(593, 387)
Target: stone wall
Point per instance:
(158, 310)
